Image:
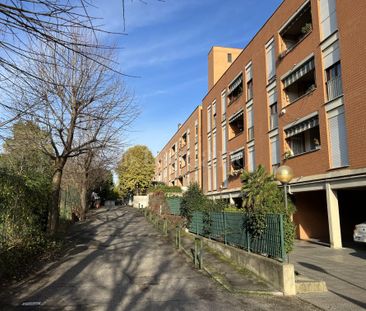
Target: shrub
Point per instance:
(193, 200)
(157, 203)
(262, 196)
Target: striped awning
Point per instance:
(237, 156)
(235, 83)
(236, 116)
(302, 127)
(299, 73)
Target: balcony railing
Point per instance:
(334, 88)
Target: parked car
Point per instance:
(359, 234)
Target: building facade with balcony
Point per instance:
(295, 95)
(179, 162)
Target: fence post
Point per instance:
(282, 237)
(224, 216)
(165, 227)
(248, 239)
(196, 226)
(177, 237)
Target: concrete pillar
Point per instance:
(333, 218)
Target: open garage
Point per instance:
(311, 216)
(352, 211)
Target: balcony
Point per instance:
(296, 29)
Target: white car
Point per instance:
(359, 234)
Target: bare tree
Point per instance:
(79, 102)
(87, 171)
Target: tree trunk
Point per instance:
(84, 197)
(54, 215)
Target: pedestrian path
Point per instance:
(343, 270)
(120, 262)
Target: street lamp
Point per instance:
(284, 175)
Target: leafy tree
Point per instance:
(261, 196)
(136, 170)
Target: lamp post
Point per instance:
(284, 175)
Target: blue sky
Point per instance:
(166, 46)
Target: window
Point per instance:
(334, 81)
(300, 81)
(209, 119)
(303, 137)
(196, 131)
(275, 153)
(196, 155)
(235, 89)
(328, 17)
(297, 28)
(183, 140)
(236, 124)
(173, 149)
(214, 146)
(249, 77)
(250, 114)
(214, 115)
(338, 137)
(274, 116)
(229, 58)
(209, 148)
(237, 161)
(273, 112)
(224, 173)
(251, 159)
(214, 176)
(183, 161)
(271, 61)
(224, 139)
(209, 181)
(223, 105)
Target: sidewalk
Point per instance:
(343, 270)
(121, 262)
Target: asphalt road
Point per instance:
(120, 262)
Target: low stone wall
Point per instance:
(280, 275)
(140, 201)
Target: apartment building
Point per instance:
(179, 162)
(294, 95)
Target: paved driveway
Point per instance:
(121, 263)
(343, 270)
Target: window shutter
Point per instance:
(275, 150)
(328, 18)
(270, 55)
(251, 159)
(338, 137)
(331, 55)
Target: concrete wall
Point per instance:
(140, 201)
(311, 217)
(281, 276)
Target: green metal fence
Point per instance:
(174, 205)
(69, 201)
(232, 228)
